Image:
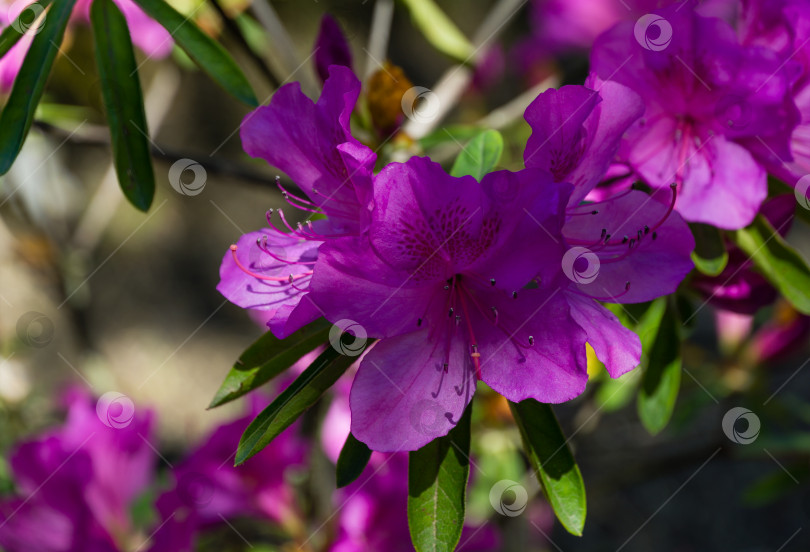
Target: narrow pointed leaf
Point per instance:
(480, 156)
(352, 460)
(439, 29)
(552, 460)
(18, 113)
(11, 34)
(123, 103)
(437, 487)
(292, 402)
(208, 54)
(661, 378)
(786, 269)
(267, 358)
(710, 255)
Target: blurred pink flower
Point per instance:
(77, 483)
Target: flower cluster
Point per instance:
(496, 280)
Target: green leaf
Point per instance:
(450, 134)
(661, 378)
(352, 460)
(11, 34)
(267, 358)
(480, 155)
(208, 54)
(292, 402)
(777, 260)
(439, 29)
(437, 486)
(710, 255)
(552, 460)
(123, 103)
(18, 114)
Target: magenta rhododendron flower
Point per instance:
(77, 483)
(715, 109)
(270, 269)
(209, 489)
(442, 277)
(784, 27)
(628, 248)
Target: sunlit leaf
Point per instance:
(710, 255)
(661, 377)
(552, 460)
(267, 358)
(786, 269)
(479, 156)
(437, 486)
(292, 402)
(439, 29)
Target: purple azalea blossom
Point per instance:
(331, 47)
(441, 278)
(147, 34)
(77, 483)
(784, 26)
(208, 488)
(311, 142)
(628, 248)
(715, 111)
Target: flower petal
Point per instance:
(654, 267)
(281, 299)
(302, 138)
(402, 398)
(553, 369)
(618, 348)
